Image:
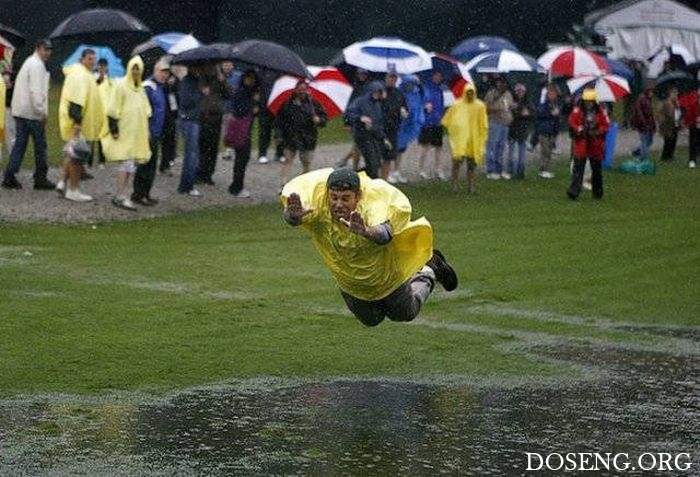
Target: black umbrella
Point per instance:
(270, 55)
(88, 24)
(212, 52)
(13, 36)
(678, 79)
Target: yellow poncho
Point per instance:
(80, 88)
(362, 268)
(129, 105)
(467, 125)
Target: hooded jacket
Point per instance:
(411, 126)
(589, 131)
(366, 105)
(467, 125)
(80, 88)
(130, 108)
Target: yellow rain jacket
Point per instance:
(130, 106)
(362, 268)
(80, 88)
(467, 125)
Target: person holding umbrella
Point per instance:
(246, 101)
(589, 123)
(30, 108)
(298, 120)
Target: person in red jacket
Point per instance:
(589, 124)
(690, 105)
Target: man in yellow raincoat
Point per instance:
(467, 126)
(80, 115)
(127, 141)
(383, 263)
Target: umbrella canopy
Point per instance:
(455, 74)
(676, 56)
(116, 67)
(99, 21)
(329, 87)
(384, 54)
(573, 61)
(619, 68)
(609, 88)
(504, 61)
(270, 55)
(16, 39)
(170, 43)
(471, 47)
(7, 50)
(683, 81)
(213, 52)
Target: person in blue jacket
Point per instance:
(366, 118)
(431, 133)
(411, 125)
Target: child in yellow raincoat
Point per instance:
(467, 126)
(362, 228)
(126, 141)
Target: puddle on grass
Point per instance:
(646, 402)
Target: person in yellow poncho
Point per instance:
(80, 116)
(467, 126)
(383, 263)
(126, 141)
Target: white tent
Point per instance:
(636, 29)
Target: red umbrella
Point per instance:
(329, 87)
(609, 88)
(573, 61)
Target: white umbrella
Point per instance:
(504, 61)
(384, 54)
(609, 88)
(573, 61)
(659, 59)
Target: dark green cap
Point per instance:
(343, 179)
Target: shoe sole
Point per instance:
(451, 281)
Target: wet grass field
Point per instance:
(215, 343)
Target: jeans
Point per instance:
(190, 161)
(403, 304)
(37, 130)
(645, 140)
(516, 169)
(498, 135)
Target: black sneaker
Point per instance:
(44, 184)
(11, 183)
(444, 273)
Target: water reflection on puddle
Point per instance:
(651, 404)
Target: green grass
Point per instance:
(200, 298)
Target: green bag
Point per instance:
(638, 168)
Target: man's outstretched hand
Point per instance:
(295, 211)
(356, 223)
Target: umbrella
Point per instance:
(619, 68)
(116, 67)
(89, 23)
(454, 72)
(504, 61)
(683, 81)
(471, 47)
(270, 55)
(677, 56)
(170, 43)
(213, 52)
(573, 61)
(7, 49)
(384, 54)
(609, 88)
(16, 39)
(329, 87)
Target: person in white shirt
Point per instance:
(30, 108)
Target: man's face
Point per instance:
(161, 76)
(44, 53)
(302, 90)
(136, 73)
(343, 202)
(227, 67)
(89, 61)
(470, 95)
(437, 77)
(391, 81)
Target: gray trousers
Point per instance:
(403, 304)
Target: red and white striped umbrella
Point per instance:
(609, 88)
(329, 87)
(573, 61)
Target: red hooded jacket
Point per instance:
(589, 141)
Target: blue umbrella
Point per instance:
(504, 61)
(619, 68)
(471, 47)
(116, 67)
